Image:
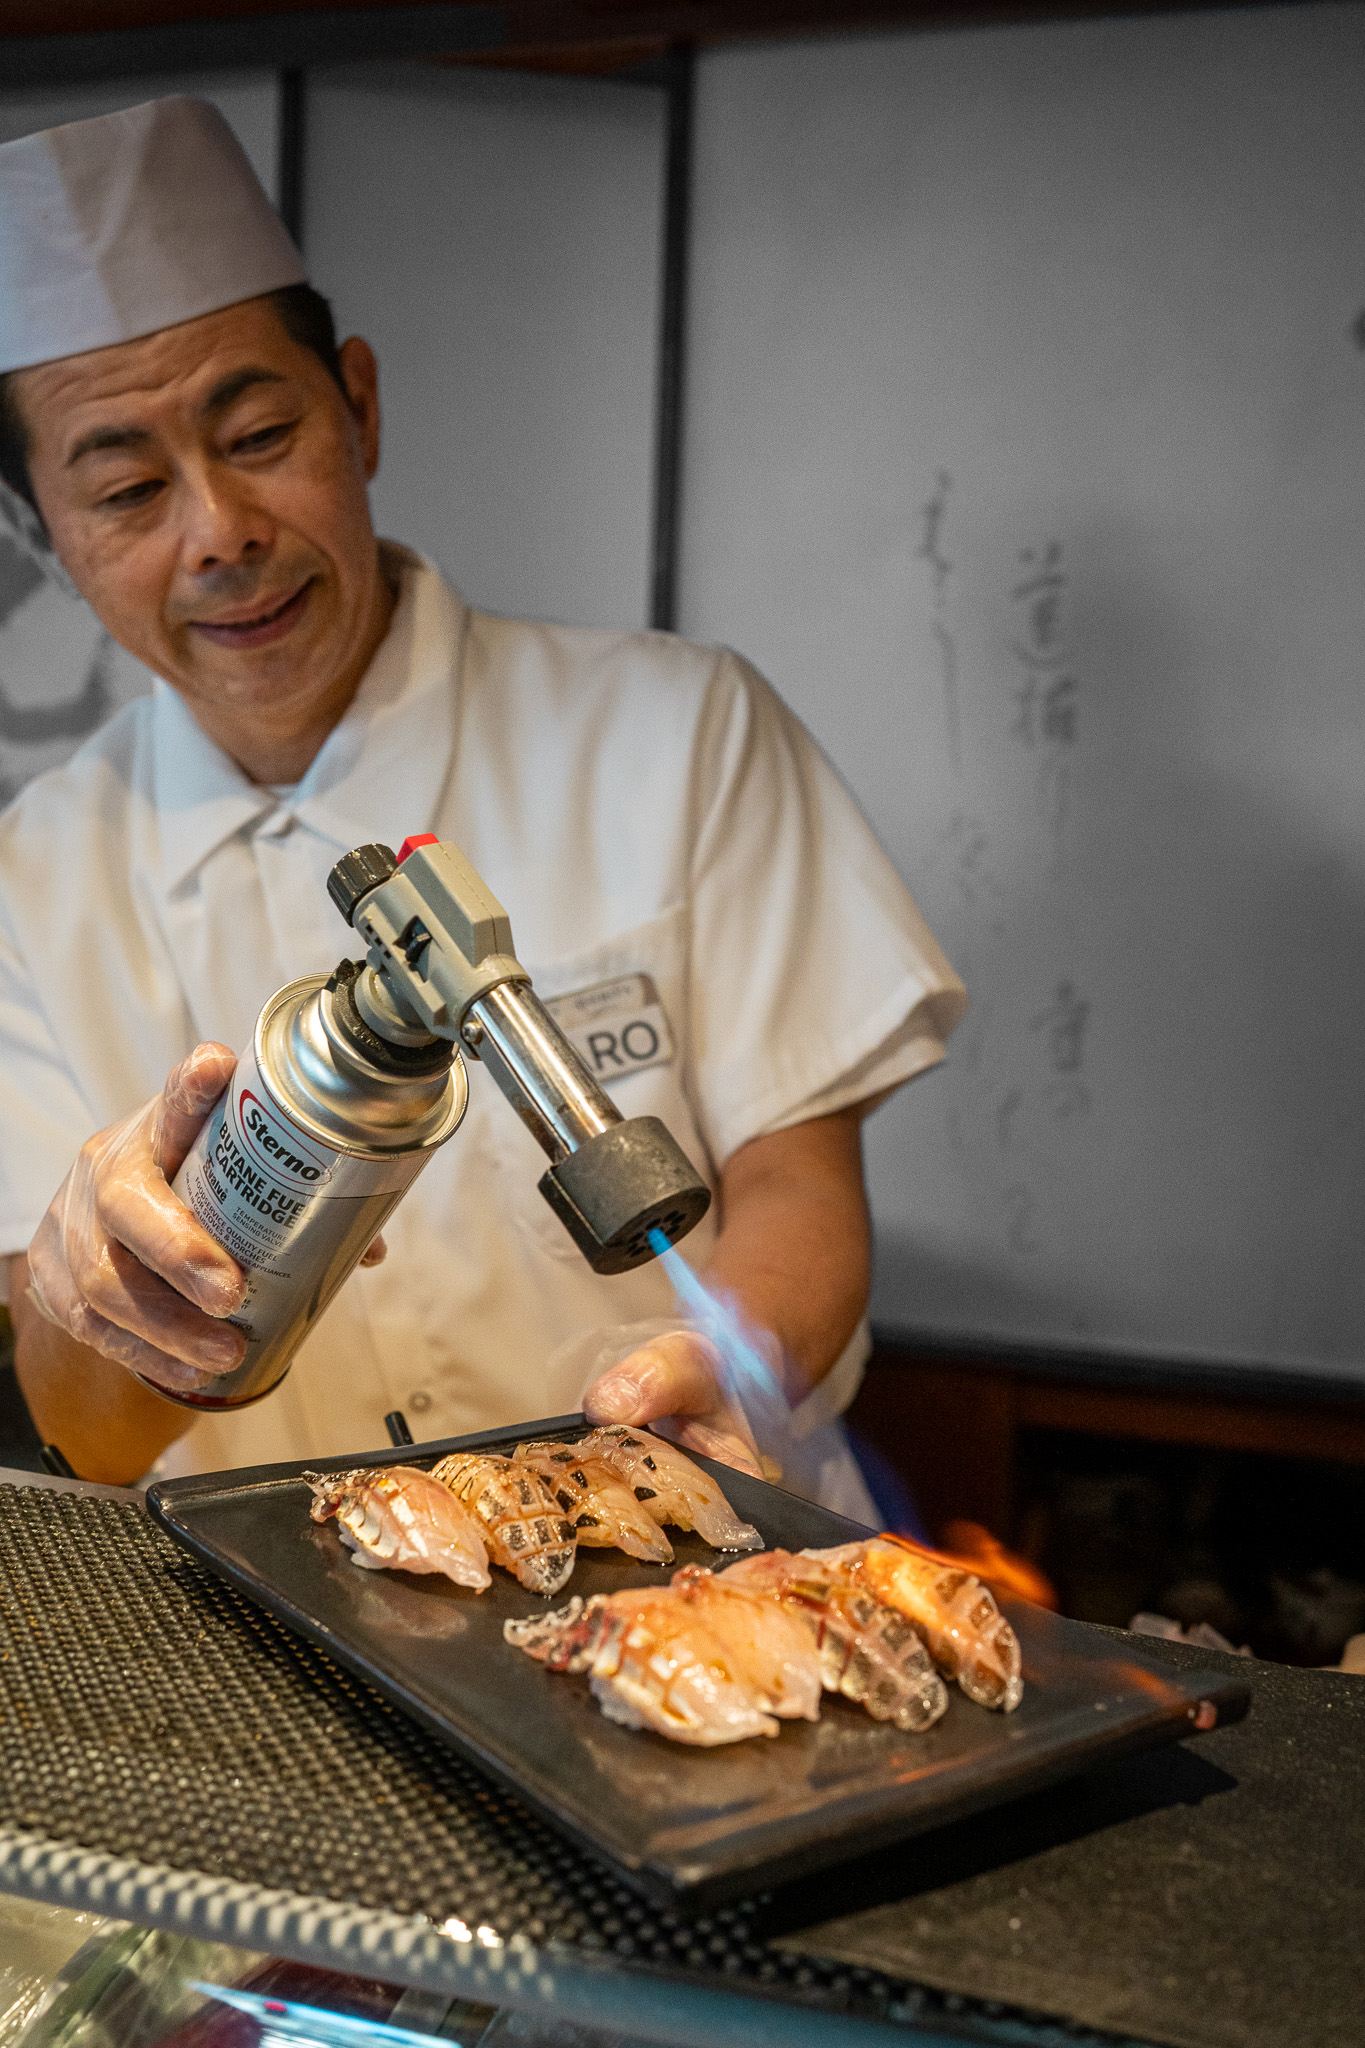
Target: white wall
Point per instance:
(496, 238)
(247, 99)
(60, 674)
(1079, 302)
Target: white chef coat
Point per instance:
(642, 806)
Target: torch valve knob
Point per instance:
(357, 873)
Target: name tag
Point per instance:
(616, 1027)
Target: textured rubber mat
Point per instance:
(147, 1710)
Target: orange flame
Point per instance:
(972, 1545)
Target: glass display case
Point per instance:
(75, 1980)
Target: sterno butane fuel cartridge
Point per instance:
(325, 1127)
(351, 1084)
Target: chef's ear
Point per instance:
(360, 375)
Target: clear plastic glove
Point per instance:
(122, 1265)
(666, 1374)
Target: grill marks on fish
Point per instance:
(713, 1657)
(670, 1487)
(769, 1629)
(395, 1518)
(868, 1620)
(603, 1511)
(615, 1488)
(868, 1651)
(526, 1531)
(968, 1637)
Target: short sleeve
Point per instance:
(44, 1119)
(816, 982)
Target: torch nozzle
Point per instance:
(441, 962)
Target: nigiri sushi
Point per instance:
(771, 1651)
(518, 1516)
(395, 1518)
(596, 1502)
(868, 1651)
(968, 1637)
(653, 1663)
(669, 1486)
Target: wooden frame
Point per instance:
(951, 1423)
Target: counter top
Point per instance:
(188, 1763)
(1209, 1895)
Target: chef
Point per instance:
(684, 873)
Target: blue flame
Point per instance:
(749, 1381)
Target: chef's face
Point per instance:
(205, 489)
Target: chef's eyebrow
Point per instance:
(230, 389)
(225, 393)
(100, 438)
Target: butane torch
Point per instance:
(353, 1081)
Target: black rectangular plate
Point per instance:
(692, 1827)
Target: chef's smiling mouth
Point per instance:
(261, 627)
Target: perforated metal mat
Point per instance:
(149, 1712)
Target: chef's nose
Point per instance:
(223, 524)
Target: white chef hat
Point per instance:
(113, 228)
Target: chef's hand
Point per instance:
(673, 1384)
(121, 1264)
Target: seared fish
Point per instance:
(600, 1507)
(771, 1651)
(395, 1518)
(968, 1637)
(669, 1486)
(519, 1518)
(868, 1651)
(652, 1663)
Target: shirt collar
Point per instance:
(380, 773)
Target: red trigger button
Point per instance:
(411, 845)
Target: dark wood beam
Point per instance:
(669, 409)
(950, 1425)
(142, 37)
(51, 41)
